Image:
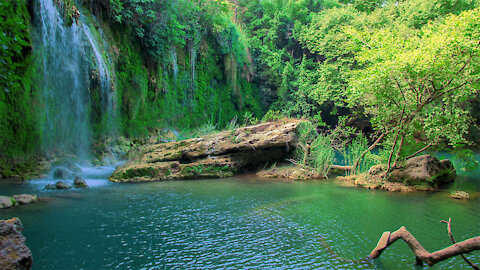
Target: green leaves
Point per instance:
(14, 38)
(419, 80)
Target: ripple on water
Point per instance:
(231, 223)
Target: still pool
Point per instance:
(240, 222)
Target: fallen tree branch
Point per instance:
(449, 229)
(421, 254)
(341, 167)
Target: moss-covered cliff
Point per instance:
(175, 64)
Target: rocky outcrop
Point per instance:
(425, 169)
(107, 150)
(216, 155)
(418, 173)
(25, 169)
(289, 172)
(13, 252)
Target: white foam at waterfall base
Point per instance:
(94, 176)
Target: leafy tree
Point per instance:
(417, 83)
(333, 51)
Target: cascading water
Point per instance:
(173, 55)
(193, 56)
(102, 70)
(66, 53)
(103, 73)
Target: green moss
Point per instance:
(18, 133)
(147, 94)
(152, 97)
(201, 170)
(134, 172)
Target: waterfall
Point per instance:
(65, 53)
(193, 56)
(106, 98)
(173, 55)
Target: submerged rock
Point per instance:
(79, 182)
(14, 254)
(6, 202)
(25, 198)
(51, 186)
(61, 185)
(216, 155)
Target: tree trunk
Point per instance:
(449, 230)
(421, 254)
(357, 161)
(342, 168)
(419, 151)
(402, 122)
(397, 155)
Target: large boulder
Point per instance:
(79, 182)
(216, 155)
(6, 202)
(25, 198)
(425, 169)
(418, 173)
(61, 185)
(14, 254)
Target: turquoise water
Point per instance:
(241, 222)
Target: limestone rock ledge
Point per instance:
(13, 252)
(221, 154)
(289, 172)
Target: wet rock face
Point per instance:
(61, 173)
(61, 185)
(79, 182)
(13, 252)
(217, 155)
